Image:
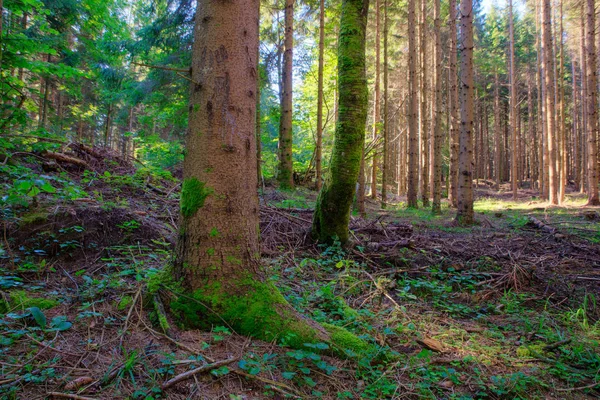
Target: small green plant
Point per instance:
(129, 226)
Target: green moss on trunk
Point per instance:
(332, 212)
(258, 309)
(193, 195)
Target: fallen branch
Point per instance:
(69, 396)
(187, 375)
(556, 345)
(591, 386)
(165, 68)
(277, 386)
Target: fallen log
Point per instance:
(65, 158)
(542, 226)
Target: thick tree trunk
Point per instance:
(592, 115)
(218, 251)
(332, 212)
(319, 145)
(285, 174)
(413, 138)
(464, 213)
(453, 106)
(376, 104)
(437, 112)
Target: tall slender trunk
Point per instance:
(107, 125)
(592, 115)
(549, 101)
(543, 128)
(576, 127)
(376, 104)
(413, 138)
(332, 212)
(386, 112)
(531, 133)
(497, 131)
(285, 174)
(513, 101)
(562, 142)
(465, 213)
(453, 106)
(584, 131)
(437, 113)
(1, 32)
(319, 146)
(424, 129)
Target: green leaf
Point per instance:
(288, 375)
(48, 188)
(60, 323)
(38, 316)
(220, 371)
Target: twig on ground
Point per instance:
(69, 396)
(191, 373)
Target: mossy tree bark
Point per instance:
(285, 173)
(464, 213)
(332, 212)
(413, 138)
(217, 258)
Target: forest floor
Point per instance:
(506, 309)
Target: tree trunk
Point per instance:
(386, 114)
(562, 140)
(576, 127)
(332, 211)
(453, 106)
(376, 105)
(437, 112)
(464, 213)
(423, 117)
(218, 250)
(285, 174)
(107, 125)
(583, 97)
(497, 131)
(319, 147)
(413, 138)
(592, 115)
(549, 101)
(513, 102)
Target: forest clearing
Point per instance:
(279, 199)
